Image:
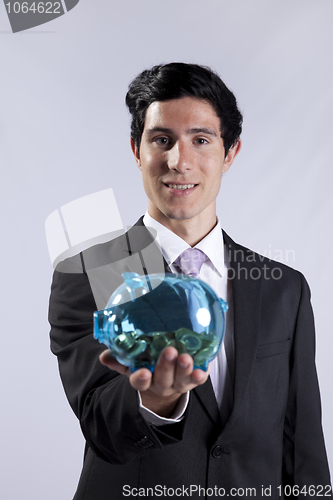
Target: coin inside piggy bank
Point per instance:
(145, 314)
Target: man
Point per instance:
(254, 423)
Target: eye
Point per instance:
(200, 141)
(162, 141)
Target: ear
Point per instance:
(136, 153)
(232, 153)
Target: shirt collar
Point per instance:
(172, 245)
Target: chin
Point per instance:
(179, 215)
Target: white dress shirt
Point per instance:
(214, 271)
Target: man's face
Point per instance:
(182, 159)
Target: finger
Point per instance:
(141, 379)
(199, 377)
(185, 377)
(183, 371)
(164, 371)
(108, 360)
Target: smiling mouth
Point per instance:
(182, 187)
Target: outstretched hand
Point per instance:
(173, 376)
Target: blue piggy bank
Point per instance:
(148, 313)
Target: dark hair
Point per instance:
(177, 80)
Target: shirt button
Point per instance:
(217, 451)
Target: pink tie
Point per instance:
(190, 261)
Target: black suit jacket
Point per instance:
(273, 436)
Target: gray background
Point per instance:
(64, 133)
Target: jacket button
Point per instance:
(144, 443)
(217, 451)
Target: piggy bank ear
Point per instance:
(224, 305)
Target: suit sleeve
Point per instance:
(103, 400)
(305, 461)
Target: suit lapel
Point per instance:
(246, 291)
(206, 396)
(246, 288)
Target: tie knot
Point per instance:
(190, 261)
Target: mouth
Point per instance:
(181, 187)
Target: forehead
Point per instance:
(187, 112)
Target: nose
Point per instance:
(180, 157)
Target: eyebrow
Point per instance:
(200, 130)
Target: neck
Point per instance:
(190, 230)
